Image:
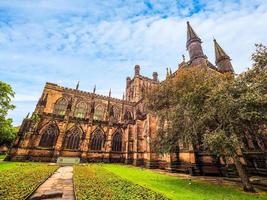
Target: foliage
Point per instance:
(94, 182)
(2, 156)
(179, 188)
(18, 180)
(242, 109)
(213, 111)
(7, 132)
(180, 105)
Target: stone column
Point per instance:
(126, 141)
(60, 140)
(135, 145)
(107, 153)
(85, 144)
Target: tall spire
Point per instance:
(191, 34)
(219, 52)
(222, 60)
(193, 44)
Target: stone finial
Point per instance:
(155, 76)
(94, 89)
(167, 72)
(77, 86)
(137, 70)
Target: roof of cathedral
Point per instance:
(191, 34)
(219, 52)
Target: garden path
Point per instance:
(58, 186)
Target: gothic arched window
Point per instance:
(117, 142)
(49, 136)
(128, 115)
(80, 110)
(60, 106)
(99, 112)
(97, 140)
(72, 139)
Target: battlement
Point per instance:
(54, 86)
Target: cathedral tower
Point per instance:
(193, 46)
(222, 60)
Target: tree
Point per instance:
(237, 110)
(179, 105)
(7, 131)
(213, 111)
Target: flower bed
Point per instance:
(20, 180)
(94, 182)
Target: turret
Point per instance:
(137, 70)
(128, 80)
(193, 44)
(155, 76)
(222, 60)
(167, 73)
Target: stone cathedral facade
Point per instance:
(95, 128)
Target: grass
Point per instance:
(115, 182)
(94, 182)
(175, 188)
(18, 180)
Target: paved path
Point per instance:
(58, 186)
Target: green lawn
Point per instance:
(93, 182)
(175, 188)
(114, 182)
(18, 180)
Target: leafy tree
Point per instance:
(238, 110)
(213, 111)
(179, 103)
(7, 131)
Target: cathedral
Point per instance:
(70, 123)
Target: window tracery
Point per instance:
(97, 140)
(72, 139)
(61, 106)
(117, 142)
(49, 136)
(80, 110)
(99, 112)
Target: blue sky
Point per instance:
(99, 42)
